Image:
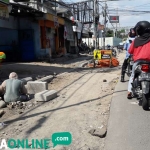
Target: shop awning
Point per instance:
(54, 18)
(24, 11)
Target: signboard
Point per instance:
(56, 23)
(114, 19)
(106, 54)
(4, 13)
(100, 27)
(97, 54)
(102, 54)
(69, 31)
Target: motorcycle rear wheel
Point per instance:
(145, 101)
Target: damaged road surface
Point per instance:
(81, 108)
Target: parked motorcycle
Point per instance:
(141, 83)
(114, 53)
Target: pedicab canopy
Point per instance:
(2, 56)
(104, 58)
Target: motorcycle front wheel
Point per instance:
(145, 101)
(129, 70)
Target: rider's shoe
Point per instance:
(122, 78)
(129, 96)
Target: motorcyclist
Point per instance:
(108, 47)
(140, 49)
(131, 37)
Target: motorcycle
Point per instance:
(130, 65)
(141, 83)
(114, 53)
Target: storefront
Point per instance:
(5, 42)
(49, 27)
(69, 36)
(21, 41)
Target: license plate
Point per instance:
(145, 75)
(131, 62)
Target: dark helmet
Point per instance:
(108, 46)
(132, 33)
(142, 27)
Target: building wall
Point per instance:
(32, 24)
(9, 30)
(116, 41)
(9, 35)
(12, 23)
(113, 41)
(6, 43)
(51, 37)
(13, 36)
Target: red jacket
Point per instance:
(141, 52)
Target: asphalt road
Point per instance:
(128, 125)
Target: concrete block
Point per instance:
(25, 80)
(45, 95)
(2, 104)
(2, 112)
(46, 79)
(36, 87)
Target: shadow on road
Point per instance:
(56, 109)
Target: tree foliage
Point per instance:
(110, 33)
(121, 34)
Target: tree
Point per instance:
(109, 33)
(122, 34)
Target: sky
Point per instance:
(127, 18)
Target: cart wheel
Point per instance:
(94, 64)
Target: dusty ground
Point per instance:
(35, 69)
(82, 104)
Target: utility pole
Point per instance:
(104, 33)
(116, 23)
(94, 24)
(55, 8)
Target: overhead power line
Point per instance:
(141, 5)
(127, 10)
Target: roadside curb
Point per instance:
(79, 66)
(83, 64)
